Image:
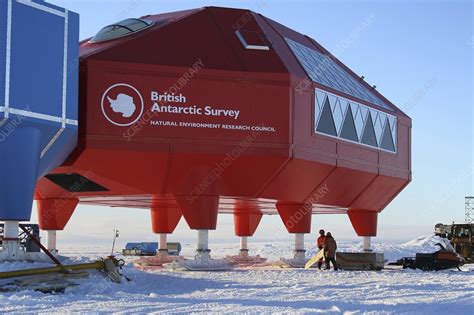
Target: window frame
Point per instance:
(147, 24)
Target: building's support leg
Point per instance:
(165, 216)
(19, 166)
(201, 214)
(297, 219)
(11, 244)
(163, 246)
(366, 244)
(11, 250)
(52, 239)
(203, 251)
(246, 220)
(244, 247)
(299, 247)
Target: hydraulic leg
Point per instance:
(52, 238)
(203, 251)
(366, 244)
(244, 247)
(163, 244)
(201, 214)
(297, 219)
(246, 220)
(299, 247)
(165, 216)
(11, 250)
(11, 242)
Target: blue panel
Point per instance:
(47, 128)
(18, 169)
(37, 60)
(73, 67)
(62, 147)
(58, 153)
(3, 42)
(20, 164)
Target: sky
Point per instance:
(419, 54)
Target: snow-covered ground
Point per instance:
(260, 291)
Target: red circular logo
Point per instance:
(122, 104)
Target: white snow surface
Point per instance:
(255, 291)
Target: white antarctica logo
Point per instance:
(122, 104)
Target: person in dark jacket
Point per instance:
(320, 244)
(330, 247)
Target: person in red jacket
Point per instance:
(320, 243)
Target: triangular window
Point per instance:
(326, 122)
(368, 136)
(387, 141)
(348, 130)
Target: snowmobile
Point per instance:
(442, 259)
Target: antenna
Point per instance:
(469, 209)
(116, 235)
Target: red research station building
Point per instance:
(218, 110)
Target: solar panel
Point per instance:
(323, 70)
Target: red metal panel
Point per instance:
(54, 214)
(402, 159)
(295, 216)
(357, 153)
(243, 96)
(364, 222)
(165, 216)
(180, 43)
(229, 21)
(377, 195)
(343, 185)
(140, 171)
(200, 213)
(247, 217)
(219, 174)
(297, 180)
